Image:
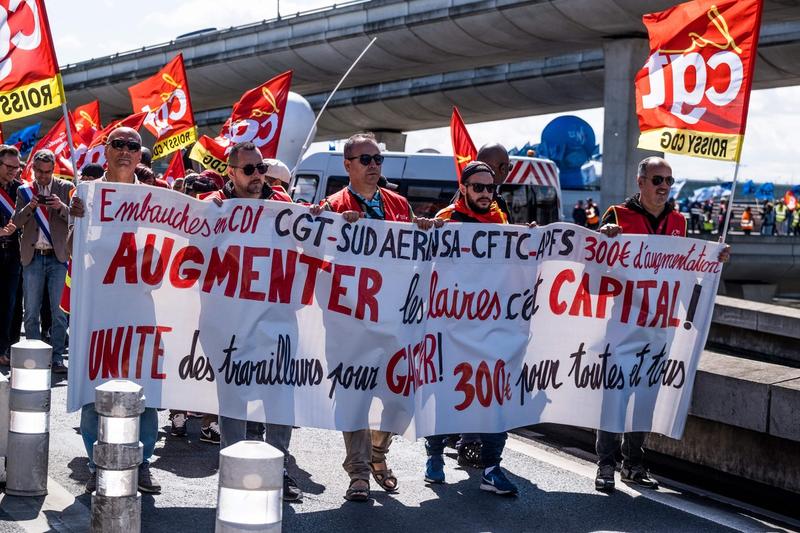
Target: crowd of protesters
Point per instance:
(38, 255)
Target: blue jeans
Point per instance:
(632, 448)
(45, 272)
(233, 430)
(148, 432)
(491, 450)
(10, 270)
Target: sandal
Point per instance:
(357, 494)
(384, 477)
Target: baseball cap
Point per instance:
(278, 170)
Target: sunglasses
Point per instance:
(364, 159)
(481, 187)
(658, 180)
(119, 144)
(249, 169)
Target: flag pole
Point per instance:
(322, 110)
(68, 125)
(729, 212)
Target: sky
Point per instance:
(104, 27)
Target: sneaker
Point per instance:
(59, 368)
(147, 482)
(291, 492)
(497, 482)
(639, 475)
(210, 434)
(178, 425)
(91, 483)
(434, 469)
(604, 481)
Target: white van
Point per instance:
(428, 181)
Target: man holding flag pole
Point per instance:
(705, 51)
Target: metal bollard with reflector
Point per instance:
(250, 488)
(5, 391)
(116, 504)
(29, 419)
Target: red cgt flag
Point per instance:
(56, 141)
(96, 150)
(464, 150)
(87, 122)
(165, 97)
(176, 169)
(257, 117)
(693, 92)
(29, 78)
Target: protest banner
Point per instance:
(30, 81)
(260, 310)
(464, 150)
(165, 98)
(692, 94)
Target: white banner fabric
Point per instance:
(257, 309)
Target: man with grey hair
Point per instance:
(42, 216)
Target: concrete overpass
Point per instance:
(493, 58)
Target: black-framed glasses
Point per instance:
(12, 167)
(249, 169)
(481, 187)
(658, 180)
(364, 159)
(119, 144)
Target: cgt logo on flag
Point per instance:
(29, 78)
(165, 99)
(693, 92)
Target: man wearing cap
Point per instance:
(475, 203)
(247, 171)
(278, 175)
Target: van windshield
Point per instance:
(427, 197)
(305, 188)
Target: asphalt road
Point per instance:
(556, 492)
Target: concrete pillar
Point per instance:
(29, 419)
(623, 58)
(250, 488)
(117, 505)
(395, 141)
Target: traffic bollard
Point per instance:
(250, 488)
(116, 504)
(29, 419)
(5, 391)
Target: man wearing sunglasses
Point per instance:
(475, 203)
(123, 152)
(646, 212)
(365, 450)
(10, 265)
(247, 173)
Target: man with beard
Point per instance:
(475, 203)
(247, 174)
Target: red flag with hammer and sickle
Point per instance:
(165, 99)
(464, 150)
